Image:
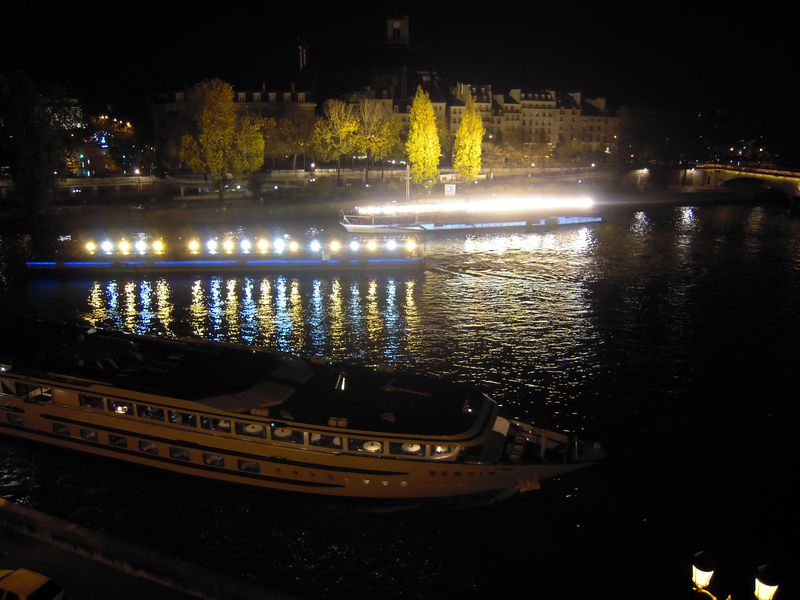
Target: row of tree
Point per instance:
(225, 142)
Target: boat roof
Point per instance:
(232, 378)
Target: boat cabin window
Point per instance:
(61, 429)
(251, 429)
(14, 419)
(325, 441)
(22, 389)
(119, 407)
(282, 433)
(368, 446)
(444, 451)
(118, 441)
(213, 460)
(145, 411)
(214, 424)
(89, 435)
(91, 401)
(249, 466)
(179, 453)
(182, 418)
(33, 392)
(7, 387)
(147, 446)
(407, 448)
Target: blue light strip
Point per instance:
(194, 263)
(87, 264)
(37, 265)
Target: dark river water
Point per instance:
(668, 333)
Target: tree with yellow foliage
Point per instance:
(378, 133)
(422, 146)
(223, 143)
(467, 147)
(335, 134)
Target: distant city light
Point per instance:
(245, 245)
(335, 246)
(212, 246)
(315, 246)
(194, 246)
(391, 245)
(279, 245)
(294, 246)
(158, 247)
(124, 246)
(91, 247)
(141, 246)
(228, 245)
(263, 246)
(354, 245)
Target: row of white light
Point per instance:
(228, 246)
(483, 205)
(126, 247)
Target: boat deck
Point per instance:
(231, 378)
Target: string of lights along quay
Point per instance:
(146, 252)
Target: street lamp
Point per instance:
(137, 172)
(766, 585)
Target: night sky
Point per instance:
(678, 55)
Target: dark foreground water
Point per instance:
(670, 334)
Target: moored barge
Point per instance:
(268, 419)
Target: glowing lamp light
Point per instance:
(354, 246)
(158, 247)
(441, 449)
(228, 246)
(194, 246)
(141, 246)
(245, 245)
(263, 246)
(279, 245)
(391, 245)
(372, 245)
(702, 570)
(107, 247)
(766, 585)
(315, 246)
(335, 246)
(294, 246)
(212, 246)
(91, 247)
(124, 246)
(411, 245)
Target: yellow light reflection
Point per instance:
(197, 309)
(164, 305)
(232, 308)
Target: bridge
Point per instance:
(721, 175)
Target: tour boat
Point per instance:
(268, 419)
(471, 214)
